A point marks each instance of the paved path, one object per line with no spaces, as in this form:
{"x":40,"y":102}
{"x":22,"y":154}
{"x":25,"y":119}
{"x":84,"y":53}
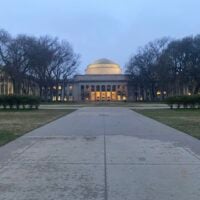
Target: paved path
{"x":101,"y":154}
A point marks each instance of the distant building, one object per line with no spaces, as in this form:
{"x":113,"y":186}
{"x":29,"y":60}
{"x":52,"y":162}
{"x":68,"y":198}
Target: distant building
{"x":103,"y":81}
{"x":6,"y":86}
{"x":27,"y":87}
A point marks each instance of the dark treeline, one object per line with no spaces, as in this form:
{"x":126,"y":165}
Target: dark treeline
{"x":166,"y":67}
{"x":42,"y":62}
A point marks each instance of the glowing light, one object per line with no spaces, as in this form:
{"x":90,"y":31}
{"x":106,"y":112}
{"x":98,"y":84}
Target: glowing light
{"x":158,"y":93}
{"x":118,"y":97}
{"x":124,"y":98}
{"x":54,"y":98}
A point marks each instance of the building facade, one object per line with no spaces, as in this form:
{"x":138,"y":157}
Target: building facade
{"x":6,"y":86}
{"x":103,"y":81}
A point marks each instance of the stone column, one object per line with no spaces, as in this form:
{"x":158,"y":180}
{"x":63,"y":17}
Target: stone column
{"x":111,"y":92}
{"x":95,"y":90}
{"x":100,"y":90}
{"x":106,"y":89}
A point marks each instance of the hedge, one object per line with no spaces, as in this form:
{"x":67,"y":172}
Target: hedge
{"x":184,"y":101}
{"x":17,"y":101}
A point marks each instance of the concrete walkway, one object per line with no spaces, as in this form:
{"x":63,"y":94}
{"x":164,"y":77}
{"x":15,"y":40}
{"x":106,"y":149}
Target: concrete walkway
{"x":101,"y":154}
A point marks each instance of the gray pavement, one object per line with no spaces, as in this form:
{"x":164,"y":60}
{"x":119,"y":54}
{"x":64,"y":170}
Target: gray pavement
{"x":101,"y":154}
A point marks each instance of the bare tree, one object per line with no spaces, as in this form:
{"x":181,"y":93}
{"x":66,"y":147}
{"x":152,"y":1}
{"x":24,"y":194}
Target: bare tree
{"x":51,"y":62}
{"x":13,"y":54}
{"x":65,"y":64}
{"x":143,"y":67}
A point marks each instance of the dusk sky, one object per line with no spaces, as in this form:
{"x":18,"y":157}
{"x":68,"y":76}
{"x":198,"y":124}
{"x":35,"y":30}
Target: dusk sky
{"x":102,"y":28}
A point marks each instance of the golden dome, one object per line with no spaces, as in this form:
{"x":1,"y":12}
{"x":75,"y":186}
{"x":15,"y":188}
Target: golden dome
{"x":103,"y":67}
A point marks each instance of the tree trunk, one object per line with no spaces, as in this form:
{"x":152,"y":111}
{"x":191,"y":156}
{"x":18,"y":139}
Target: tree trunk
{"x":16,"y":87}
{"x":197,"y":89}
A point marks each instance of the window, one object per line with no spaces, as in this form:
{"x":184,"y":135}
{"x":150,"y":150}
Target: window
{"x":114,"y":88}
{"x":103,"y":88}
{"x":98,"y":88}
{"x":92,"y":88}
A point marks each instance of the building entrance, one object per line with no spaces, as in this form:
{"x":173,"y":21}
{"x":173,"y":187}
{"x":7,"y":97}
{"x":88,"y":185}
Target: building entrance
{"x":103,"y":96}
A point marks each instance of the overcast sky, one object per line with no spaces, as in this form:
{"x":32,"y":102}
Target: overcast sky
{"x":102,"y":28}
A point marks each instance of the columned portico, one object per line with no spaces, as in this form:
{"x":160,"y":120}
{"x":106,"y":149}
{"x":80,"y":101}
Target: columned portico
{"x":103,"y":92}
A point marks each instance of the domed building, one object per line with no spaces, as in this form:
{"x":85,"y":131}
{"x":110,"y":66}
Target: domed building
{"x":103,"y":81}
{"x":103,"y":67}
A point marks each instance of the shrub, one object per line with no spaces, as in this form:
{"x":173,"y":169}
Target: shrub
{"x":184,"y":101}
{"x":4,"y":101}
{"x":24,"y":101}
{"x":34,"y":101}
{"x":11,"y":100}
{"x":1,"y":100}
{"x":17,"y":101}
{"x":170,"y":101}
{"x":198,"y":100}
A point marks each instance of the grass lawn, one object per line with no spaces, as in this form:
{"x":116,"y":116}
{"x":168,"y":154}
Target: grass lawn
{"x":16,"y":123}
{"x":186,"y":120}
{"x":138,"y":105}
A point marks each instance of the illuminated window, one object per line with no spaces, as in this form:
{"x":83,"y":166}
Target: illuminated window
{"x":118,"y":97}
{"x":113,"y":96}
{"x":54,"y":98}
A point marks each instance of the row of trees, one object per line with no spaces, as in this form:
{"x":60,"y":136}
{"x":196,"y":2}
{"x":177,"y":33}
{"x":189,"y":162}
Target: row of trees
{"x":171,"y":67}
{"x":44,"y":60}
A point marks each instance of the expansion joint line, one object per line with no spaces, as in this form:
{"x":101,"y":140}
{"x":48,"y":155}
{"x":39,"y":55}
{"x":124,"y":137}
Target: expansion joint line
{"x":105,"y":161}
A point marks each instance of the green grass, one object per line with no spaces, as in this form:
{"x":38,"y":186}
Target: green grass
{"x":186,"y":120}
{"x":105,"y":104}
{"x":16,"y":123}
{"x":6,"y":137}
